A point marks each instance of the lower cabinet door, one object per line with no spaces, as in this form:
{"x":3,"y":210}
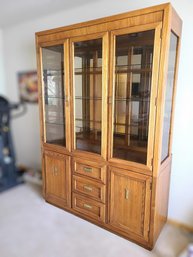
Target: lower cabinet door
{"x":57,"y":178}
{"x":130,"y":202}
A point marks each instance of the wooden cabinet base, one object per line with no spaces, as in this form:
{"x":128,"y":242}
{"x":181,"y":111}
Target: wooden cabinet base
{"x":123,"y":203}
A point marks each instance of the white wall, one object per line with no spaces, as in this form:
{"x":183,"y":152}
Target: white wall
{"x":20,"y":55}
{"x":2,"y":78}
{"x":181,"y":191}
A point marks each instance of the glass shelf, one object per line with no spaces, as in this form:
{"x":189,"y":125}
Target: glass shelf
{"x":91,"y":121}
{"x":91,"y":71}
{"x":54,"y":97}
{"x":134,"y":124}
{"x":52,"y":71}
{"x":136,"y":66}
{"x":88,"y":69}
{"x":131,"y":125}
{"x":88,"y":98}
{"x":55,"y":123}
{"x":133,"y":99}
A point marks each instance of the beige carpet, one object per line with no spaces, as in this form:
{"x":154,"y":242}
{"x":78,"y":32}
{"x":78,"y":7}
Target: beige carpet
{"x":29,"y":227}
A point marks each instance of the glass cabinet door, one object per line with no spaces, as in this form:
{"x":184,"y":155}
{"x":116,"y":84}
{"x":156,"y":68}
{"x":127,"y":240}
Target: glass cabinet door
{"x":169,"y":96}
{"x":88,"y":94}
{"x":53,"y":84}
{"x":132,"y":90}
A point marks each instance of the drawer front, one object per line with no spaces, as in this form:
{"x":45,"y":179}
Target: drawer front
{"x":88,"y":207}
{"x":88,"y":187}
{"x":90,"y":169}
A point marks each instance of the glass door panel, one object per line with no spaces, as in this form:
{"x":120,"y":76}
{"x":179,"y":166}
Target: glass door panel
{"x":133,"y":75}
{"x":88,"y":95}
{"x":169,"y":96}
{"x":53,"y":80}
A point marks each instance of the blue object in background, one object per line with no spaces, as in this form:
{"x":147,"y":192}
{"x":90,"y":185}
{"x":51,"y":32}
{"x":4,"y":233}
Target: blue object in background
{"x":9,"y":174}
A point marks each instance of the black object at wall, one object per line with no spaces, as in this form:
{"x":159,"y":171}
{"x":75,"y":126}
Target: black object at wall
{"x":9,"y":173}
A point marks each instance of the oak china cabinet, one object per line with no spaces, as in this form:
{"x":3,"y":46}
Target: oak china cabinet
{"x":106,"y":96}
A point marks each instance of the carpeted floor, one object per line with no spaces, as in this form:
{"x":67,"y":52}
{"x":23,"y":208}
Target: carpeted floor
{"x":29,"y":227}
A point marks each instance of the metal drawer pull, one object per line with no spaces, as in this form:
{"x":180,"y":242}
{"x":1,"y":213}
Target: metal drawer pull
{"x":126,"y":194}
{"x":55,"y":171}
{"x":87,"y":206}
{"x":86,"y":169}
{"x":88,"y":188}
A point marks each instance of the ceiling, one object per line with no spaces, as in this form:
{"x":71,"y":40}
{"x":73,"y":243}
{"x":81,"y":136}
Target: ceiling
{"x":16,"y":11}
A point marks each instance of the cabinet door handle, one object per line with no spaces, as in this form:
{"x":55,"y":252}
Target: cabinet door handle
{"x":126,"y":194}
{"x":87,"y":206}
{"x":55,"y":171}
{"x":66,"y":98}
{"x":87,"y":169}
{"x":88,"y":188}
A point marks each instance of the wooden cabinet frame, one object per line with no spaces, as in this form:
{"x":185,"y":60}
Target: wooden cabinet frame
{"x":99,"y":170}
{"x":171,"y":23}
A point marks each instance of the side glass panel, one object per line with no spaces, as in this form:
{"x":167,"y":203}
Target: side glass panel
{"x":53,"y":79}
{"x":133,"y":73}
{"x":169,"y":95}
{"x":88,"y":94}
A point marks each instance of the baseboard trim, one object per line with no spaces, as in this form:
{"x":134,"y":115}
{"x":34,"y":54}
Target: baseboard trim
{"x":180,"y":225}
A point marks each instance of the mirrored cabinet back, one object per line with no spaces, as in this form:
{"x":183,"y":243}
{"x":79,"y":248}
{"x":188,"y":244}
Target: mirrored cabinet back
{"x":106,"y":96}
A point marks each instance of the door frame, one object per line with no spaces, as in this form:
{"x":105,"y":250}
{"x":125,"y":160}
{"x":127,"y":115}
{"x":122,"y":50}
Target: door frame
{"x":153,"y":97}
{"x":105,"y":59}
{"x":66,"y":107}
{"x":147,"y":180}
{"x":62,"y":202}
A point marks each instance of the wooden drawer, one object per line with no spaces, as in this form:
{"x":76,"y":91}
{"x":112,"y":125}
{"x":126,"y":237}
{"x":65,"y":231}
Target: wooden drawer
{"x":89,"y":187}
{"x":90,"y":169}
{"x":88,"y":207}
